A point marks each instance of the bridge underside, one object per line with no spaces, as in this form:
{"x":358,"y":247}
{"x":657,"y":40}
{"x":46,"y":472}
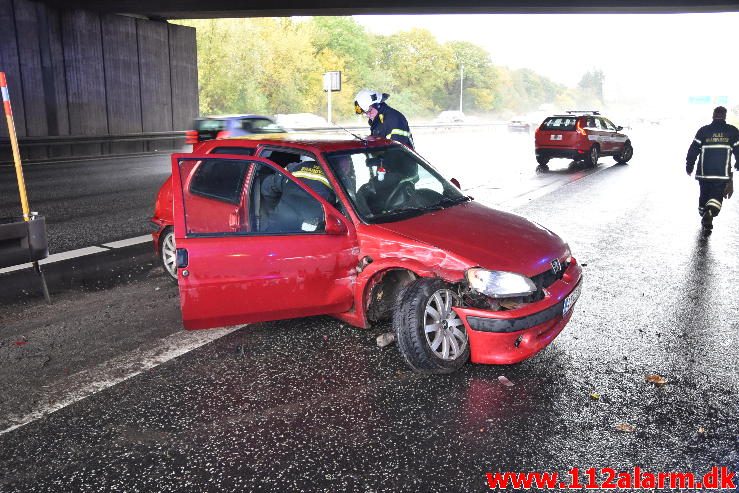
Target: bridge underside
{"x":194,"y":9}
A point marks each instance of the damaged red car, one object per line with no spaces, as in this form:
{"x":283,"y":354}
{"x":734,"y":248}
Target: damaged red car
{"x":457,"y":280}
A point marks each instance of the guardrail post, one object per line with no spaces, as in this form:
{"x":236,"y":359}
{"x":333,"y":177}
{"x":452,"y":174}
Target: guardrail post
{"x":22,"y":185}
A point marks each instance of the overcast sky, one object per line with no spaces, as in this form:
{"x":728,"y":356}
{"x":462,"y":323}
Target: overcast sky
{"x":660,"y":58}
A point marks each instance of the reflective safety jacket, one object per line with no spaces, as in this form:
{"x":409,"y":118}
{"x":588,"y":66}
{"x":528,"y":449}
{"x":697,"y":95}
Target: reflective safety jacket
{"x":713,"y":146}
{"x":296,"y":210}
{"x":391,"y":124}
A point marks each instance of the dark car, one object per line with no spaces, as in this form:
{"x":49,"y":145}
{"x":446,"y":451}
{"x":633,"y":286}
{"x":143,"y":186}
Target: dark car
{"x":227,"y":126}
{"x":397,"y":242}
{"x":580,"y":136}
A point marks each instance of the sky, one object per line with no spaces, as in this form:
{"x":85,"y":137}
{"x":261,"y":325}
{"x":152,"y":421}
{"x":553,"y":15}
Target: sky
{"x":648,"y":59}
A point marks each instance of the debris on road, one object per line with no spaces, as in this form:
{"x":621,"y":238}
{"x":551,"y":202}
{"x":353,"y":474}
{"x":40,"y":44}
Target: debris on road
{"x":656,"y":379}
{"x":504,"y":381}
{"x":595,"y":396}
{"x":385,"y":339}
{"x":625,"y":427}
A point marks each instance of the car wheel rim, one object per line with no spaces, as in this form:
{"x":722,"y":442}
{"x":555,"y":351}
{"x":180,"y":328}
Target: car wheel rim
{"x":169,"y":255}
{"x":627,"y":153}
{"x":445,"y":332}
{"x":594,"y":155}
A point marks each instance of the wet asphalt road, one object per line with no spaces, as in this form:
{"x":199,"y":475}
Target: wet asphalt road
{"x":88,"y":202}
{"x":314,"y":405}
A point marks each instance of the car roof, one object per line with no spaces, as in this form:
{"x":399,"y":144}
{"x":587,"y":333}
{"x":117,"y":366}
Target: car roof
{"x":307,"y":141}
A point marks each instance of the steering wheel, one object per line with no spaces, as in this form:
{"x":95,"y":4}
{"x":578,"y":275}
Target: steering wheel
{"x":399,"y":195}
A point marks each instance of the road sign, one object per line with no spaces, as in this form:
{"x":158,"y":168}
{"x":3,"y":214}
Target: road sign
{"x":332,"y":81}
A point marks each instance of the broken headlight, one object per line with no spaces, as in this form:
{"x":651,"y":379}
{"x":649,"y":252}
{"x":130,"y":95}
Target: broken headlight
{"x":499,"y":284}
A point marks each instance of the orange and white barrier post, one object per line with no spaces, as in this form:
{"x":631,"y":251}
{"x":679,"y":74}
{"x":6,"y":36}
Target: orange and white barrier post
{"x":19,"y":173}
{"x":14,"y":145}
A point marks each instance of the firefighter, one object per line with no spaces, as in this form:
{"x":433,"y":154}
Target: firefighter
{"x":713,"y":146}
{"x":295,"y":210}
{"x":384,"y":121}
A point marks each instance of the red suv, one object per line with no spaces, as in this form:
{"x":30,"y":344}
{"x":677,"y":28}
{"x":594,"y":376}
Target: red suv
{"x":580,"y":136}
{"x":395,"y":242}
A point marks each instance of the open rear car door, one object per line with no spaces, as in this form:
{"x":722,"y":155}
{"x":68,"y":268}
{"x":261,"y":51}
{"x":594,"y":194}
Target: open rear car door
{"x":238,"y":262}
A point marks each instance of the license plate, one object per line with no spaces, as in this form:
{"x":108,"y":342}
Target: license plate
{"x":571,"y":299}
{"x":555,"y":137}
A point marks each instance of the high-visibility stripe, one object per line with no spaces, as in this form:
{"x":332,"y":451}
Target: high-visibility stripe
{"x":4,"y":90}
{"x":3,"y":81}
{"x":717,"y":146}
{"x":735,"y":144}
{"x":397,"y":131}
{"x":312,"y":176}
{"x":714,"y":203}
{"x":697,"y":141}
{"x":8,"y":109}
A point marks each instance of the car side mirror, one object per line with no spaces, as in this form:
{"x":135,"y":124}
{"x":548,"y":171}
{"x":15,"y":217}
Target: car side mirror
{"x":455,"y":182}
{"x":619,"y":128}
{"x":334,"y":225}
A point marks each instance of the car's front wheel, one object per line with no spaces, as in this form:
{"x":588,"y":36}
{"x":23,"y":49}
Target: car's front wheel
{"x":626,"y":154}
{"x":168,"y":253}
{"x":593,"y":155}
{"x":431,"y":336}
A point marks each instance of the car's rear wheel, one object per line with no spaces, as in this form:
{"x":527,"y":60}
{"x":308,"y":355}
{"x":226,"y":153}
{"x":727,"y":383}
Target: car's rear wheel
{"x":542,"y":160}
{"x":431,"y":336}
{"x":168,"y":253}
{"x":593,"y":155}
{"x":626,"y":154}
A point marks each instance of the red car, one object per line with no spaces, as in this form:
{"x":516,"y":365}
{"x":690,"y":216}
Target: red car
{"x":580,"y":136}
{"x":458,"y":280}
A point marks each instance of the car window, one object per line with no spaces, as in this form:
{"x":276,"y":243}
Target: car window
{"x":260,"y":126}
{"x":591,"y":122}
{"x":608,"y":125}
{"x":241,"y":151}
{"x":278,"y":205}
{"x":213,"y":202}
{"x":209,"y":124}
{"x":559,"y":123}
{"x":219,"y":180}
{"x":284,"y":157}
{"x":388,"y":184}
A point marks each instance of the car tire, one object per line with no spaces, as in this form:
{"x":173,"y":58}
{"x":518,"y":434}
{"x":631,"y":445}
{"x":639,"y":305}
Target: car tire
{"x":542,"y":168}
{"x":542,"y":160}
{"x":591,"y":159}
{"x":168,"y":253}
{"x":625,"y":155}
{"x":430,"y":335}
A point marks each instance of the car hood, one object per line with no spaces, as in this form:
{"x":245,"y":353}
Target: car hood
{"x":492,"y":239}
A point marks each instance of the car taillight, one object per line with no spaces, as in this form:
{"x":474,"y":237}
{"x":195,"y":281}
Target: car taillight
{"x":223,"y":134}
{"x":579,"y":129}
{"x":191,"y":137}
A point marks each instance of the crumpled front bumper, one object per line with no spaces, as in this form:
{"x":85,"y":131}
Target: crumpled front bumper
{"x":511,"y":336}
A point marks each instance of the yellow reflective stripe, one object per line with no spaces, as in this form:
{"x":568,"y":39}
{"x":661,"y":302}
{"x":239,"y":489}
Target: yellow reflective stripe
{"x":397,"y":131}
{"x":312,"y":176}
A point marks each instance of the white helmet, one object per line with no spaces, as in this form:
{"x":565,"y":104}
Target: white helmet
{"x":366,"y":98}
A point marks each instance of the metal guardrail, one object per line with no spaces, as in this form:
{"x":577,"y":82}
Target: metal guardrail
{"x":93,"y":139}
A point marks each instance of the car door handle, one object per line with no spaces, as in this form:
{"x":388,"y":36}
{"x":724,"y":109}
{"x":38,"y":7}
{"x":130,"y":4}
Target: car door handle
{"x":181,"y":258}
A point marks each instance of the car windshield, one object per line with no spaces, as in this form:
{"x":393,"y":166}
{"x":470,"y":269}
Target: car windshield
{"x":261,"y":126}
{"x":390,"y":184}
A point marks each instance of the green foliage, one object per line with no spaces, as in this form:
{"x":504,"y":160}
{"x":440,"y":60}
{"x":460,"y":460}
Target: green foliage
{"x":276,"y":66}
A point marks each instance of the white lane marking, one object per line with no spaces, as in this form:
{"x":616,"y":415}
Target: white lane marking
{"x":129,"y":242}
{"x":116,"y":370}
{"x":58,"y":257}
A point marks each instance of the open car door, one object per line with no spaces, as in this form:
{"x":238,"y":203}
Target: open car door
{"x":239,"y":261}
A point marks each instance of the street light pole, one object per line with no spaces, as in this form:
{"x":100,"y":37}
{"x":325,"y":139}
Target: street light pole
{"x":461,"y":85}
